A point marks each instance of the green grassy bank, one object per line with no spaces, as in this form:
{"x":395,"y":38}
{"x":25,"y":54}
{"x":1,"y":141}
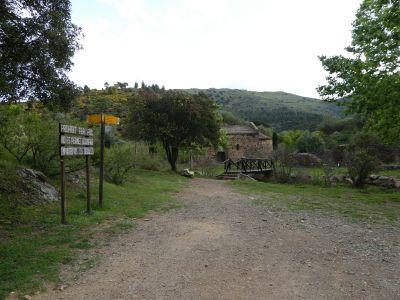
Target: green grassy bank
{"x":33,"y":244}
{"x":371,"y":204}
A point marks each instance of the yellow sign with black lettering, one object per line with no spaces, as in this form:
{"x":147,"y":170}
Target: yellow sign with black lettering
{"x":101,"y":118}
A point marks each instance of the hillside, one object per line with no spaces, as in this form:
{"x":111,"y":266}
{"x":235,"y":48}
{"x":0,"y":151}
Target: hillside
{"x":277,"y":109}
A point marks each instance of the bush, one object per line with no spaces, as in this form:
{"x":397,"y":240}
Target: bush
{"x":360,"y":164}
{"x":283,"y":164}
{"x":30,"y":137}
{"x":206,"y":166}
{"x":328,"y":167}
{"x":118,"y":162}
{"x":310,"y":143}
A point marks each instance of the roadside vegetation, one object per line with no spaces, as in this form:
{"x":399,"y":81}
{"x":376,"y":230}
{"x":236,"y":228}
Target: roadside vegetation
{"x":369,"y":205}
{"x":34,"y":245}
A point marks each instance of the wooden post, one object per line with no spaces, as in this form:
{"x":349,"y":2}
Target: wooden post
{"x":63,"y":206}
{"x":62,"y":179}
{"x":102,"y":133}
{"x":88,"y":198}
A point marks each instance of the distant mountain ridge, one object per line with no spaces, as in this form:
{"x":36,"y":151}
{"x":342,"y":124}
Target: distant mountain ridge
{"x":279,"y":110}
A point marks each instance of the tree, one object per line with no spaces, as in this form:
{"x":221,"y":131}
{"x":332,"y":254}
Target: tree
{"x":370,"y":77}
{"x":37,"y":42}
{"x":310,"y":143}
{"x":176,"y":119}
{"x":275,"y":140}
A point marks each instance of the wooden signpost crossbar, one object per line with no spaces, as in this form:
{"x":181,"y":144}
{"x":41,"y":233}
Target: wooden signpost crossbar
{"x":74,"y":141}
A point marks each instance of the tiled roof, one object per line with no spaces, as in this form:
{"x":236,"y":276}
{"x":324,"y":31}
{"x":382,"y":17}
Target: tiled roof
{"x":240,"y":129}
{"x":250,"y":129}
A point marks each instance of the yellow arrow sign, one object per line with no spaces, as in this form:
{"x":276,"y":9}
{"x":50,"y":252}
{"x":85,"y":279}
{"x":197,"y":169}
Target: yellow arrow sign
{"x":107,"y":119}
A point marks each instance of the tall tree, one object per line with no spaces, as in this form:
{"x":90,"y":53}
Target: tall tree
{"x":37,"y":42}
{"x":370,"y":76}
{"x":176,"y":119}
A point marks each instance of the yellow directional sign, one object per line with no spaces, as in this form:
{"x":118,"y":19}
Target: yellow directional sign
{"x":94,"y":119}
{"x":107,"y":119}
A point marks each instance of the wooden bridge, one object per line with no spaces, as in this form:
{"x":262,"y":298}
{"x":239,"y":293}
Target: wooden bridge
{"x":247,"y":166}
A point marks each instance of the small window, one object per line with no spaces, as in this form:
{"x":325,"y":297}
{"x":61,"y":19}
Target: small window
{"x":237,"y":147}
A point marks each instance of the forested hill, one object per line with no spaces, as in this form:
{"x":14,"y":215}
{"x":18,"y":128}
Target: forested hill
{"x":277,"y":109}
{"x":280,"y":110}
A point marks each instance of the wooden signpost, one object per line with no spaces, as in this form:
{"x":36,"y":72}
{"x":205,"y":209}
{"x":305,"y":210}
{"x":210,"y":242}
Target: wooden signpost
{"x":102,"y":119}
{"x":74,"y":141}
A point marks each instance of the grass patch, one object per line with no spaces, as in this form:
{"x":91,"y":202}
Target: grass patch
{"x":371,"y":204}
{"x":33,"y":244}
{"x":317,"y":172}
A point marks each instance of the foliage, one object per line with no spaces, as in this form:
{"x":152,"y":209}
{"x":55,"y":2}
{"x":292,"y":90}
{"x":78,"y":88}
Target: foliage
{"x":37,"y":42}
{"x":275,"y":140}
{"x":30,"y":137}
{"x":361,"y":157}
{"x":280,"y":110}
{"x":175,"y":119}
{"x":360,"y":164}
{"x":283,"y":164}
{"x":34,"y":245}
{"x":274,"y":110}
{"x":230,"y":119}
{"x":118,"y":162}
{"x":290,"y":137}
{"x":349,"y":124}
{"x":207,"y":167}
{"x":310,"y":143}
{"x":328,"y":168}
{"x":370,"y":77}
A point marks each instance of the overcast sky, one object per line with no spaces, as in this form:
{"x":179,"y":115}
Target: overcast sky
{"x":260,"y":45}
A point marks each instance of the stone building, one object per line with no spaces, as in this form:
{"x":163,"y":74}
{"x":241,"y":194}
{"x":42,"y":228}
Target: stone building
{"x":245,"y":141}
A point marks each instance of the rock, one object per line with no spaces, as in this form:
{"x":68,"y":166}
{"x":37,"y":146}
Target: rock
{"x":348,"y":180}
{"x":187,"y":173}
{"x":306,"y":159}
{"x":36,"y":188}
{"x":397,"y":184}
{"x":373,"y":177}
{"x":26,"y":186}
{"x":337,"y":178}
{"x":27,"y":297}
{"x":385,"y":181}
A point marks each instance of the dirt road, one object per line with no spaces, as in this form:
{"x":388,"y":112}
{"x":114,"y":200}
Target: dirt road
{"x":221,"y":246}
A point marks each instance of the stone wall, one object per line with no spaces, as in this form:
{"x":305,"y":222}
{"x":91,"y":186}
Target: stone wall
{"x":248,"y":146}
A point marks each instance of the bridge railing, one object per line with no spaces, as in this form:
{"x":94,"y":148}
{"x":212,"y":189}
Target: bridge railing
{"x":245,"y":165}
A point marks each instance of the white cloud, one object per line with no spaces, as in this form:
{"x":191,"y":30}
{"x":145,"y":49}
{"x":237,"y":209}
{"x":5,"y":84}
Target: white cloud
{"x":254,"y":44}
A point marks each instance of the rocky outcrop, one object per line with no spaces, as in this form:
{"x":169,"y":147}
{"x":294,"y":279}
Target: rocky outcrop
{"x":27,"y":187}
{"x":378,"y":180}
{"x":187,"y":173}
{"x":306,"y":160}
{"x":36,"y":188}
{"x":385,"y":181}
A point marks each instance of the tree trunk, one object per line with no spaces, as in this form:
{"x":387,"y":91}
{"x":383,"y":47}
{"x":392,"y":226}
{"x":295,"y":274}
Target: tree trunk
{"x":172,"y":155}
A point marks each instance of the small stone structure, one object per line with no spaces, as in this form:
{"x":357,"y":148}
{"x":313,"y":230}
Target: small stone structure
{"x":245,"y":141}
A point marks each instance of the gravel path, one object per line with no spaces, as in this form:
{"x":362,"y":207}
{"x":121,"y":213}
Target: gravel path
{"x":221,"y":246}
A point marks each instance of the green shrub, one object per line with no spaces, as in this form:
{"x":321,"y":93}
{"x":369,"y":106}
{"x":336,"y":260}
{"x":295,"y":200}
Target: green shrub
{"x":360,"y":164}
{"x":283,"y":164}
{"x":310,"y":143}
{"x":118,"y":162}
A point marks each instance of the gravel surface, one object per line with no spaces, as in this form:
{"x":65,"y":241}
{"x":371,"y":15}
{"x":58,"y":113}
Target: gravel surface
{"x":221,"y":246}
